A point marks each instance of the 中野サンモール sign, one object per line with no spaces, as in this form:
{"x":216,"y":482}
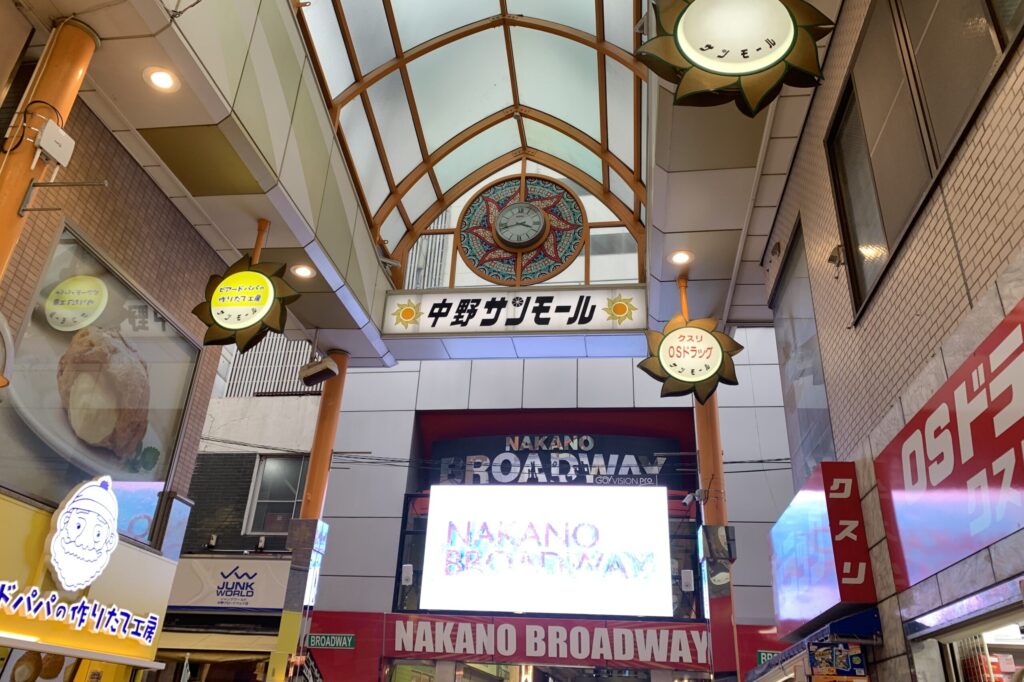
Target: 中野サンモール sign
{"x":513,"y":311}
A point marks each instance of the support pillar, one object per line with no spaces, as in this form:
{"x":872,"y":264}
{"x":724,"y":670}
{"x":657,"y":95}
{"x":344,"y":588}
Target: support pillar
{"x":716,"y":534}
{"x":323,"y":440}
{"x":307,"y":535}
{"x":50,"y":96}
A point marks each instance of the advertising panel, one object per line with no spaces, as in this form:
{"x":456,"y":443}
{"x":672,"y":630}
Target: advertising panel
{"x":544,"y":549}
{"x":505,"y":311}
{"x":99,"y":386}
{"x":553,"y":641}
{"x":949,"y":483}
{"x":820,"y":563}
{"x":839,"y":660}
{"x":591,"y":459}
{"x":234,"y":584}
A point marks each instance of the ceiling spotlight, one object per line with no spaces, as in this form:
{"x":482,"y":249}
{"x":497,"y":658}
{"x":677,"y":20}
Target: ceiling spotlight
{"x":681,"y":257}
{"x":161,"y":79}
{"x":303,"y":271}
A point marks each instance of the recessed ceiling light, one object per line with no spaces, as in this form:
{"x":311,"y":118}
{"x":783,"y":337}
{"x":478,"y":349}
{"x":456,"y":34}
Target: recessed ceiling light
{"x":303,"y":271}
{"x":681,"y":257}
{"x":161,"y":79}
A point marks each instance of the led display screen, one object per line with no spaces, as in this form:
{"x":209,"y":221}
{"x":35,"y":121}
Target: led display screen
{"x":548,"y":549}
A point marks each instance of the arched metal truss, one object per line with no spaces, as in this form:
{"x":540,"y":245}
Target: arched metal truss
{"x":628,"y":170}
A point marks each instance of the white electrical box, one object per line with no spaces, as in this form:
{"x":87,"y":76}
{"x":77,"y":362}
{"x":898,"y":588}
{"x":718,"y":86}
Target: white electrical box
{"x":407,"y":574}
{"x":55,"y":144}
{"x":686,"y":580}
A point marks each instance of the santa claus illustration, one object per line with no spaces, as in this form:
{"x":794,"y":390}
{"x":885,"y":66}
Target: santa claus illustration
{"x":84,"y":534}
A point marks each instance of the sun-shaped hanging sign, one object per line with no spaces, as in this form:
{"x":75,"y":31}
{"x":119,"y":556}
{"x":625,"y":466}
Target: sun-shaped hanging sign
{"x":735,"y":50}
{"x":620,"y":309}
{"x":407,"y":314}
{"x":244,"y":303}
{"x":689,"y":356}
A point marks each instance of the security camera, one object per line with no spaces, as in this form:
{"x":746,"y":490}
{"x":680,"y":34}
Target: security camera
{"x":318,"y":371}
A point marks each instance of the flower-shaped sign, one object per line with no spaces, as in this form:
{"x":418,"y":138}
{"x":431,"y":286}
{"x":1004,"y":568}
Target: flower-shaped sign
{"x":244,"y":303}
{"x":742,"y":50}
{"x":689,"y":356}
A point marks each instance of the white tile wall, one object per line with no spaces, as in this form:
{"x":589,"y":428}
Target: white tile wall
{"x":605,"y":382}
{"x":753,"y":605}
{"x":379,"y":392}
{"x":339,"y":593}
{"x":362,"y":547}
{"x":753,"y":555}
{"x":549,"y":383}
{"x":496,"y":384}
{"x":444,"y":385}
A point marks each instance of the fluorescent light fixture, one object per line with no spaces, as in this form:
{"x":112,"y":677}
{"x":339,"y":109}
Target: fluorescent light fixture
{"x":304,"y":271}
{"x":872,"y":251}
{"x":681,"y":257}
{"x":4,"y":634}
{"x":161,"y":79}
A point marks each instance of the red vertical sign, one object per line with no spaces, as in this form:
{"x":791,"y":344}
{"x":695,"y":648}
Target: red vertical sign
{"x":846,"y":524}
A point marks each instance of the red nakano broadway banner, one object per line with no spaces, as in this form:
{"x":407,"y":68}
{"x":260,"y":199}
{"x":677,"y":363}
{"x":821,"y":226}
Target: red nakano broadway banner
{"x":585,"y":642}
{"x":821,"y":567}
{"x":951,"y":482}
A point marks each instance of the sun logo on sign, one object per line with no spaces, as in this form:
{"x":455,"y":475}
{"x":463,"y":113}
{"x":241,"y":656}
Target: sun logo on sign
{"x":689,"y":356}
{"x":407,"y":314}
{"x":620,"y":309}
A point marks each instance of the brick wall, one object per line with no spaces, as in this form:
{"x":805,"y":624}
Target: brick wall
{"x":137,"y":228}
{"x":220,"y":490}
{"x":974,"y":217}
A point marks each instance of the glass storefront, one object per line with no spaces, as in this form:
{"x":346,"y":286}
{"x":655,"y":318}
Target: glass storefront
{"x":989,"y":651}
{"x":99,"y":386}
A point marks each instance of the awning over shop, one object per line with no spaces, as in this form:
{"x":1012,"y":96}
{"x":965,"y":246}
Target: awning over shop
{"x":16,"y":643}
{"x":864,"y":627}
{"x":174,"y":646}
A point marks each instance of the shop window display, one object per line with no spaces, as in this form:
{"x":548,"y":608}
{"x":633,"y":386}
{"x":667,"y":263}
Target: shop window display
{"x":99,"y":386}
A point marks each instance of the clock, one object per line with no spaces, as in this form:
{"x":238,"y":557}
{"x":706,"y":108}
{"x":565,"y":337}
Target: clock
{"x":522,"y":229}
{"x":520,"y":224}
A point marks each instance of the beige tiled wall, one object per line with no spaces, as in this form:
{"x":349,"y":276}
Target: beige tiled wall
{"x":135,"y":226}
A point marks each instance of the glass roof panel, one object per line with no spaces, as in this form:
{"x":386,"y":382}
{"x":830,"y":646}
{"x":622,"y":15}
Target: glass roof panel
{"x":643,"y":132}
{"x":488,"y":145}
{"x":619,"y":23}
{"x":398,"y":135}
{"x":421,"y":20}
{"x":330,"y":47}
{"x":596,"y":211}
{"x":613,"y":256}
{"x":558,"y":144}
{"x":392,"y":229}
{"x":364,"y":153}
{"x":576,"y":13}
{"x":368,"y":26}
{"x":419,"y":197}
{"x":619,"y":95}
{"x":569,"y":91}
{"x":459,"y":84}
{"x":621,"y":189}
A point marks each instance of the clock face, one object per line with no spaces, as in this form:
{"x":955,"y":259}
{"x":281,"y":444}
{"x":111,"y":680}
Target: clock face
{"x":520,"y":224}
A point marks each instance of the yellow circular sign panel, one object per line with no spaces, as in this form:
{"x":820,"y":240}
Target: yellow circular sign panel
{"x":242,"y":300}
{"x":690,"y":354}
{"x":76,"y":303}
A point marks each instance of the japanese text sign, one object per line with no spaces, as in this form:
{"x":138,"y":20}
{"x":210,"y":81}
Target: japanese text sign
{"x":820,"y":562}
{"x":950,"y":482}
{"x":510,"y":311}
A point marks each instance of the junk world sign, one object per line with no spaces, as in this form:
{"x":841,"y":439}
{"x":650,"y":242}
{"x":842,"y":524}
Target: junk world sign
{"x":579,"y":459}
